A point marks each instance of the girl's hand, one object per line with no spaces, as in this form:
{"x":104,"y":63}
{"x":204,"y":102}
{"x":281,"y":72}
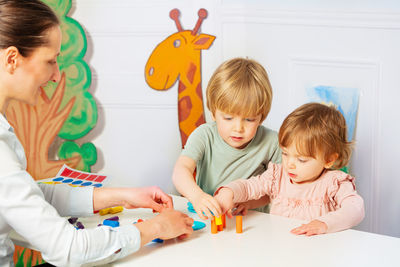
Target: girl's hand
{"x":241,"y":209}
{"x":224,"y":197}
{"x":314,"y":227}
{"x":204,"y":204}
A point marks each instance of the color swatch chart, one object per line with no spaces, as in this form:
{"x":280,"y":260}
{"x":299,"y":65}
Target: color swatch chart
{"x":67,"y":175}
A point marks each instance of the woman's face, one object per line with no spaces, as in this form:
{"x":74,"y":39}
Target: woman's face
{"x":36,"y":70}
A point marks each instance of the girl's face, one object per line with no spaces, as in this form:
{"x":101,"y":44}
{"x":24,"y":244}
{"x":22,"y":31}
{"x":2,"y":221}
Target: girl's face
{"x":235,"y":130}
{"x":302,"y":169}
{"x":36,"y":70}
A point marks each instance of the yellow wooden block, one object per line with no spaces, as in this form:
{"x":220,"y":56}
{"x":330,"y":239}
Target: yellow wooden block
{"x":116,"y":209}
{"x":104,"y":211}
{"x":218,"y":220}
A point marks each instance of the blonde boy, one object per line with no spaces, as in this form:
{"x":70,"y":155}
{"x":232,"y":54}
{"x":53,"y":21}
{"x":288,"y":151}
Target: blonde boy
{"x":235,"y":144}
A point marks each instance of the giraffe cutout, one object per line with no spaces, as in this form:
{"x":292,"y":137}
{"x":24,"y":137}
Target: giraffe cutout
{"x":179,"y":57}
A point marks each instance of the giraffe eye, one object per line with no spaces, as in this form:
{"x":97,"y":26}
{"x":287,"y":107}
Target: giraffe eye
{"x":177,"y":43}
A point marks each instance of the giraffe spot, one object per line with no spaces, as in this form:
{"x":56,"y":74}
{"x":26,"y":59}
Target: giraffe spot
{"x":184,"y":108}
{"x":184,"y":138}
{"x":201,"y":120}
{"x":199,"y":92}
{"x":181,"y":87}
{"x":191,"y":71}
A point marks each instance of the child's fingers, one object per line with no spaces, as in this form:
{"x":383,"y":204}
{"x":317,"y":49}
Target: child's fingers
{"x":244,"y":212}
{"x":214,"y":207}
{"x":240,"y":210}
{"x":235,"y":212}
{"x":201,"y":214}
{"x":208,"y":208}
{"x":299,"y":230}
{"x":199,"y":210}
{"x":229,"y":214}
{"x":208,"y":213}
{"x":307,"y":230}
{"x":312,"y":232}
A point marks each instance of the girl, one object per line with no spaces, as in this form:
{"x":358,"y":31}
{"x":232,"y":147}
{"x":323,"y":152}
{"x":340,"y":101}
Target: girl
{"x":305,"y":186}
{"x":30,"y":41}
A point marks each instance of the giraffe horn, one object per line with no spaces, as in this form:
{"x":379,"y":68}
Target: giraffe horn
{"x":202,"y":15}
{"x":174,"y":15}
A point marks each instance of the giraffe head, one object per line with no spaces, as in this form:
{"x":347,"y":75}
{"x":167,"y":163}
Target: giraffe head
{"x":173,"y":55}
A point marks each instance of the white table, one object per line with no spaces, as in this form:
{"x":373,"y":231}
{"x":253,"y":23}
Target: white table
{"x":265,"y":241}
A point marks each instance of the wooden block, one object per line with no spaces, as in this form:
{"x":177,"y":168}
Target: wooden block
{"x":116,"y":209}
{"x":104,"y":211}
{"x":218,"y":220}
{"x":239,"y":224}
{"x":214,"y":229}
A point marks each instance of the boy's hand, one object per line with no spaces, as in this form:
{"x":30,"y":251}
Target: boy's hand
{"x":224,"y":197}
{"x":204,"y":204}
{"x":314,"y":227}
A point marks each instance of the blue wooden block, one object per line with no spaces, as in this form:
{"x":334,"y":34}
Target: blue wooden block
{"x":111,"y":223}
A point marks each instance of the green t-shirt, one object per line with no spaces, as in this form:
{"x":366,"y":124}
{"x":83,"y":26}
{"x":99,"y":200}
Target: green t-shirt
{"x":217,"y":163}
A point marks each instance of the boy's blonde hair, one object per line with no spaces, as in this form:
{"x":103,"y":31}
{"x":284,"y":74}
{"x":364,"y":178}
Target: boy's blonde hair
{"x":241,"y":87}
{"x":317,"y":130}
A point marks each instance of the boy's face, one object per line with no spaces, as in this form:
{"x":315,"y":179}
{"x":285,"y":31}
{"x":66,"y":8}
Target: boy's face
{"x":235,"y":130}
{"x":302,"y":169}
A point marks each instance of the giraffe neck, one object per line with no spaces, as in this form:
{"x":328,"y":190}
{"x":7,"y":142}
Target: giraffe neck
{"x":190,"y":100}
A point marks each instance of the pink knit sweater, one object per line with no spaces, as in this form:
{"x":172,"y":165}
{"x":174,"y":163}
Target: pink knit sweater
{"x":332,"y":198}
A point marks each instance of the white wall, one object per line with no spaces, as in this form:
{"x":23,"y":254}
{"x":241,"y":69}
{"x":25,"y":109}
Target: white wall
{"x":351,"y":44}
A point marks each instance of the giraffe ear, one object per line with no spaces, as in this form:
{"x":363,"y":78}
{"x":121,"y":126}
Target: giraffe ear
{"x":203,"y":41}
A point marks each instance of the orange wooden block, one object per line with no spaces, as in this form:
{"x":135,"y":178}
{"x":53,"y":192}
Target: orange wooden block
{"x":214,"y":229}
{"x":239,"y":224}
{"x":224,"y":221}
{"x":220,"y":228}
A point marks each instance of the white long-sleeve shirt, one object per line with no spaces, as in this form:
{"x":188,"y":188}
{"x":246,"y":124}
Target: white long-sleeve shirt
{"x":34,"y":211}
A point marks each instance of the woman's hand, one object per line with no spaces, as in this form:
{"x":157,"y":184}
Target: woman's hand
{"x":168,"y":224}
{"x":314,"y":227}
{"x":143,"y":197}
{"x":146,"y":197}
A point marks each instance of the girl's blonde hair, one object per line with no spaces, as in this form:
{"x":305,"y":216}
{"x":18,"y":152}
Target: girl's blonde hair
{"x":240,"y":86}
{"x":317,"y":130}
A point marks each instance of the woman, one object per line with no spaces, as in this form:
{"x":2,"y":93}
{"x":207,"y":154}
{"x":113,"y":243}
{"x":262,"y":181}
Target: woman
{"x":30,"y":41}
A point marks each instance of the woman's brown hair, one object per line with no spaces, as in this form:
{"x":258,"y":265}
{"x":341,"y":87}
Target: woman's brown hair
{"x":23,"y":24}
